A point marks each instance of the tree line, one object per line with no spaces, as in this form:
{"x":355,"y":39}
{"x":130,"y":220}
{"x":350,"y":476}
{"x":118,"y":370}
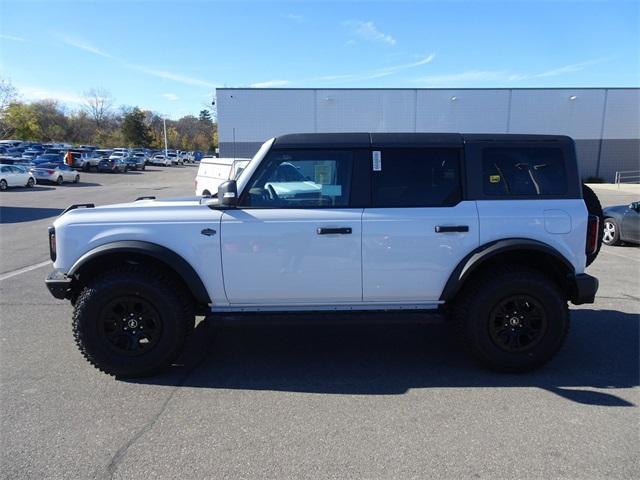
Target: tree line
{"x":99,"y":122}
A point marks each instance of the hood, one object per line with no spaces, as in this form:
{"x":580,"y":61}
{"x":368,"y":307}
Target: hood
{"x":172,"y":210}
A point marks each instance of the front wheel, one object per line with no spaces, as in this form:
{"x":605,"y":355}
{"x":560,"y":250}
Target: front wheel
{"x":513,"y":320}
{"x":31,"y":182}
{"x":3,"y":185}
{"x":611,"y":232}
{"x":76,"y":179}
{"x":132,"y":321}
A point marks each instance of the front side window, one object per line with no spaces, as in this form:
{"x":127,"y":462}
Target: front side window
{"x":526,"y":171}
{"x":416,"y":177}
{"x":301,"y":178}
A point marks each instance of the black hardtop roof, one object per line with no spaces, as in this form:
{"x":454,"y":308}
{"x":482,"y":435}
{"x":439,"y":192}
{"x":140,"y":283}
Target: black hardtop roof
{"x":408,"y":140}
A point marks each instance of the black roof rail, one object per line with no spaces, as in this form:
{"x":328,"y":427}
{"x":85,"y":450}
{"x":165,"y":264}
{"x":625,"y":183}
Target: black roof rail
{"x":148,"y":197}
{"x":77,"y":205}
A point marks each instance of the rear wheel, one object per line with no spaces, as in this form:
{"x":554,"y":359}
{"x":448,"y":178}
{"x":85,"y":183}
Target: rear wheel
{"x":512,"y":320}
{"x":594,"y":208}
{"x":60,"y":180}
{"x":76,"y":179}
{"x":611,"y":232}
{"x":132,"y":321}
{"x":3,"y":184}
{"x":31,"y":182}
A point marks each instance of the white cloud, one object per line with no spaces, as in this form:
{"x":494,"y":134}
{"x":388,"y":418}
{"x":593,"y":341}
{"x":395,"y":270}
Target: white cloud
{"x":469,"y":76}
{"x":369,"y":32}
{"x":38,"y":93}
{"x":293,"y":17}
{"x":574,"y":67}
{"x":271,"y":84}
{"x":13,"y":38}
{"x":86,"y":46}
{"x":379,"y":73}
{"x":172,"y":97}
{"x":176,"y":77}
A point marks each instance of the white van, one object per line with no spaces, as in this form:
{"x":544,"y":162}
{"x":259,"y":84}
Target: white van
{"x":214,"y":171}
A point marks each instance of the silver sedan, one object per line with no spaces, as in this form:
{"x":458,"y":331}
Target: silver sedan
{"x":56,"y":173}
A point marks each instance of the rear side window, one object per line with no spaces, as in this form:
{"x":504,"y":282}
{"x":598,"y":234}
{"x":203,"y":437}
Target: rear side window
{"x":416,"y":177}
{"x":528,"y":171}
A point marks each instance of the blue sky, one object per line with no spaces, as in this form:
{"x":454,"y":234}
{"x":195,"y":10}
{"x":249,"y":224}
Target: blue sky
{"x":170,"y":56}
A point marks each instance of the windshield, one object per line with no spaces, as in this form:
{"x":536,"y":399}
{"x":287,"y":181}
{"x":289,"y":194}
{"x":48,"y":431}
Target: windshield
{"x":246,"y":173}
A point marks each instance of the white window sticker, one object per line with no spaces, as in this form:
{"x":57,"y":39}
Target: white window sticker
{"x":377,"y":161}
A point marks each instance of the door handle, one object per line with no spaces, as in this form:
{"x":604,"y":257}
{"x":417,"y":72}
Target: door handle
{"x":451,"y":228}
{"x":208,"y":232}
{"x":333,"y":231}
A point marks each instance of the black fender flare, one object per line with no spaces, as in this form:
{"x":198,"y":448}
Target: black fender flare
{"x":485,"y":252}
{"x":164,"y":255}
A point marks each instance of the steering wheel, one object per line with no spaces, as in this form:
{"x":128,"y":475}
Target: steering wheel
{"x":272,"y":192}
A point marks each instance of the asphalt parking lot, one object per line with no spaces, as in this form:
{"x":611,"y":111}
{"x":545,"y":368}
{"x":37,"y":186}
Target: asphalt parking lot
{"x":305,"y":402}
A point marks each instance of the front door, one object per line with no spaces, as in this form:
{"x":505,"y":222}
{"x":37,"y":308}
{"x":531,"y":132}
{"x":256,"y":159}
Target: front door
{"x":294,"y":238}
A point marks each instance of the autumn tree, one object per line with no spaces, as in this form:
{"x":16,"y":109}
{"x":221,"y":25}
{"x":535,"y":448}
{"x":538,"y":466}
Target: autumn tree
{"x":98,"y":105}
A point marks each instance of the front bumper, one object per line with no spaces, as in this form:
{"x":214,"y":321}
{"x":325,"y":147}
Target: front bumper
{"x":58,"y":284}
{"x":584,"y":289}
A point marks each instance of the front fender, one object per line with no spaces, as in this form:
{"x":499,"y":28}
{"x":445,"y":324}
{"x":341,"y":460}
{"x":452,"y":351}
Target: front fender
{"x":162,"y":254}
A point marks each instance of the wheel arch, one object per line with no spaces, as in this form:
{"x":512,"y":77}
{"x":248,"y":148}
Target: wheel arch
{"x":135,"y":251}
{"x":513,"y":251}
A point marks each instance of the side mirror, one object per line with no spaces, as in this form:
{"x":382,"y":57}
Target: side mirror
{"x":228,"y":194}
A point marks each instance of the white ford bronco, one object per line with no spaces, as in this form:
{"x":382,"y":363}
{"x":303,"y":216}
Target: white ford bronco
{"x":489,"y":232}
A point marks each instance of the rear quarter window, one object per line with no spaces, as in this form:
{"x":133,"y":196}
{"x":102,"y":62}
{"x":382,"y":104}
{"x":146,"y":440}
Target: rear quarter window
{"x":526,"y":171}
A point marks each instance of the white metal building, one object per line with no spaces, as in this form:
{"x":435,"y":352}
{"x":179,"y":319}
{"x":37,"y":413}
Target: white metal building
{"x":604,"y":122}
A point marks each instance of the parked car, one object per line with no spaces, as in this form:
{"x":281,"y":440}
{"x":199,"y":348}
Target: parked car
{"x":173,"y":157}
{"x":90,"y":160}
{"x":137,"y":161}
{"x":103,"y":152}
{"x":48,"y":158}
{"x":489,"y":232}
{"x":622,"y":224}
{"x":119,"y":155}
{"x":160,"y":159}
{"x":212,"y":172}
{"x":31,"y":153}
{"x":112,"y":165}
{"x":15,"y":176}
{"x":56,"y":173}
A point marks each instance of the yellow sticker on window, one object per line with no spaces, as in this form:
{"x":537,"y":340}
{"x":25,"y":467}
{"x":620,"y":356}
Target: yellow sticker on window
{"x":494,"y":178}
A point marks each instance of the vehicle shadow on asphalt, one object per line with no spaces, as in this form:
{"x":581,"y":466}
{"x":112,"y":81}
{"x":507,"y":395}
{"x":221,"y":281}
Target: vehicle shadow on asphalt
{"x":601,"y":352}
{"x":26,"y":214}
{"x":81,"y":184}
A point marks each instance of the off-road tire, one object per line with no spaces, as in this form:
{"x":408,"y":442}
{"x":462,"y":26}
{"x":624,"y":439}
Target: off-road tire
{"x":171,"y":301}
{"x":594,"y":208}
{"x":472,"y":317}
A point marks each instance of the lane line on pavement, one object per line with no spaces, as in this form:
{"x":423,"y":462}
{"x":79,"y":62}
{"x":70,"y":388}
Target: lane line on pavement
{"x":621,"y":256}
{"x":13,"y":273}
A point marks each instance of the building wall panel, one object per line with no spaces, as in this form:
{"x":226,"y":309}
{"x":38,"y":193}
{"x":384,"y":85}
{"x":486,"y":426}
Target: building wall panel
{"x":462,"y":111}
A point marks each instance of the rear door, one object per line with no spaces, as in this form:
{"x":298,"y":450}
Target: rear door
{"x":296,"y":239}
{"x":418,"y":227}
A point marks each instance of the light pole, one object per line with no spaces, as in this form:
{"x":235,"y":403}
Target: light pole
{"x":164,"y":124}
